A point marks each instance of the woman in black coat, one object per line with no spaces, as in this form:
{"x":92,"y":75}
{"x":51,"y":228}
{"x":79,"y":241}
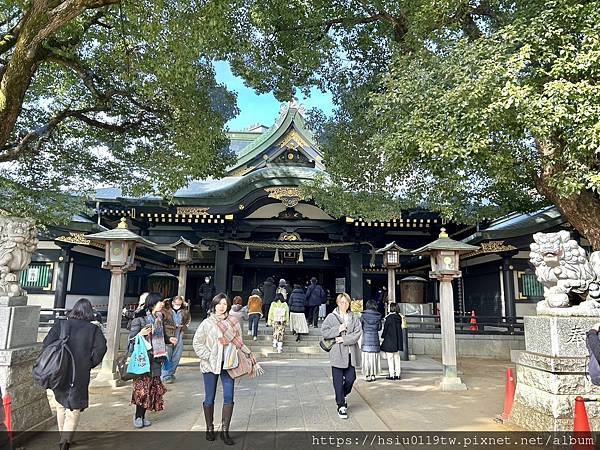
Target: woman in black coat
{"x":268,"y":297}
{"x":392,"y":341}
{"x":88,"y":345}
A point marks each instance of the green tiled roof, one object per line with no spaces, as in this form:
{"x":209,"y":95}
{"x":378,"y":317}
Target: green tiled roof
{"x":272,"y":135}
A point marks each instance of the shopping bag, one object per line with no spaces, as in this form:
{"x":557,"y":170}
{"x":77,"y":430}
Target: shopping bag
{"x":230,"y":357}
{"x":139,"y":363}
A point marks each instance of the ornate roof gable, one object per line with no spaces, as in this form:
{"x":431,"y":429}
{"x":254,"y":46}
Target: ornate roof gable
{"x":287,"y":143}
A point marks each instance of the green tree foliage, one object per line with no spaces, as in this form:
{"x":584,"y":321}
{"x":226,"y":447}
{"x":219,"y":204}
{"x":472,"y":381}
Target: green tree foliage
{"x":104,"y":92}
{"x":473,"y":108}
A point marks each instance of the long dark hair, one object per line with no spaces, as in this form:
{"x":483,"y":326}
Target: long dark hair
{"x":151,"y":300}
{"x":217,"y":299}
{"x":82,"y":310}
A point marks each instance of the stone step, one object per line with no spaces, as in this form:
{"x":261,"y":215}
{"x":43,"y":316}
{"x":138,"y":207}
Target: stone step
{"x":266,"y":349}
{"x":313,"y":333}
{"x":271,"y":355}
{"x":291,"y":340}
{"x":258,"y":345}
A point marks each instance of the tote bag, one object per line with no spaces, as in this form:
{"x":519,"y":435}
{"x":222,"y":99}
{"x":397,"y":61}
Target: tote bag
{"x":139,"y":363}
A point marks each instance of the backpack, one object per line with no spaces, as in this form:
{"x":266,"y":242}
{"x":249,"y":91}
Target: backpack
{"x":51,"y":369}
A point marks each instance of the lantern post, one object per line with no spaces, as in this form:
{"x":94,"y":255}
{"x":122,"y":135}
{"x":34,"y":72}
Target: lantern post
{"x":184,"y":251}
{"x":445,"y":267}
{"x":120,"y":246}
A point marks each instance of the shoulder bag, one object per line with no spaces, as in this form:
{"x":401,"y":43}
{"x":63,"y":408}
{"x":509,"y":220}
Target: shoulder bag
{"x":327,"y":344}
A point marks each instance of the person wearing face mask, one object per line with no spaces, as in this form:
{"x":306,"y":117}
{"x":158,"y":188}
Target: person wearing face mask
{"x":148,"y":390}
{"x":206,"y":294}
{"x":177,"y":320}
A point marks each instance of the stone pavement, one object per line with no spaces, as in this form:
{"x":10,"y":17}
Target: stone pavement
{"x":297,"y":395}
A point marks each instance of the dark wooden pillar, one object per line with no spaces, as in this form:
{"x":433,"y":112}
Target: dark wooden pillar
{"x":221,"y":266}
{"x":62,"y":275}
{"x":356,"y":275}
{"x":510,"y":309}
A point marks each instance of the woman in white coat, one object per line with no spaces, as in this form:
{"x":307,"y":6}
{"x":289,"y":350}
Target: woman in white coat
{"x":210,"y":345}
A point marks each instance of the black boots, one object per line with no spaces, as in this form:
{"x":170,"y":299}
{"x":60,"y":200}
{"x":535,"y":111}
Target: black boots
{"x":227,"y":413}
{"x":208,"y":416}
{"x":64,"y":445}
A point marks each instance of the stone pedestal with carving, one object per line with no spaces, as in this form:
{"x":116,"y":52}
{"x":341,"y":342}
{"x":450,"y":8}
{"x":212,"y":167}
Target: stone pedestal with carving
{"x":18,"y":328}
{"x":551,"y":372}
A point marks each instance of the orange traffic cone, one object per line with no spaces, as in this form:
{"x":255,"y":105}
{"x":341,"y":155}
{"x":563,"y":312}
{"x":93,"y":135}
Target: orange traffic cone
{"x":509,"y":394}
{"x":473,"y":322}
{"x":581,"y":427}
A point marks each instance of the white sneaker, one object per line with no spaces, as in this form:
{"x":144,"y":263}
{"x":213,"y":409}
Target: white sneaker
{"x":254,"y":338}
{"x":138,"y":422}
{"x":343,"y":412}
{"x":249,"y":332}
{"x":274,"y":343}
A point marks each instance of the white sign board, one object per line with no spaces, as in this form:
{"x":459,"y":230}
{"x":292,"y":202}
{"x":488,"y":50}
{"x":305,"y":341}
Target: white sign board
{"x":237,"y":283}
{"x":340,"y":285}
{"x":33,"y":274}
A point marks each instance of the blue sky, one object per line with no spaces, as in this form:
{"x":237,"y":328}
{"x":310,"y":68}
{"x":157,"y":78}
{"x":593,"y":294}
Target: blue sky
{"x":262,"y":108}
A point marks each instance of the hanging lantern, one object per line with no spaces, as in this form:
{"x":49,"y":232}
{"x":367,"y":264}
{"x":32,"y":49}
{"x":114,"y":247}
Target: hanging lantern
{"x":247,"y":255}
{"x":326,"y":255}
{"x":301,"y":257}
{"x":276,"y":258}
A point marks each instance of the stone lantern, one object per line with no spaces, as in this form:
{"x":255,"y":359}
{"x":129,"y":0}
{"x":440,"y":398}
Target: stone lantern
{"x":120,"y":246}
{"x":391,"y":261}
{"x":184,"y":251}
{"x":445,"y":254}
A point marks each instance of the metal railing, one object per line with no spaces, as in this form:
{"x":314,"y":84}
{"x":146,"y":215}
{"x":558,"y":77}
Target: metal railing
{"x":485,"y":324}
{"x":49,"y":316}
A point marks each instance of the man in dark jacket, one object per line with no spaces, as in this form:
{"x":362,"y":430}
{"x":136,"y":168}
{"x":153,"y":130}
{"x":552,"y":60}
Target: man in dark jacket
{"x":269,"y":289}
{"x":206,"y":293}
{"x":315,"y":296}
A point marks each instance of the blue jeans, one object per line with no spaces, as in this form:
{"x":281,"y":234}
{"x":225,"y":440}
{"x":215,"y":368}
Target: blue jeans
{"x":174,"y":353}
{"x":210,"y":387}
{"x":253,"y":323}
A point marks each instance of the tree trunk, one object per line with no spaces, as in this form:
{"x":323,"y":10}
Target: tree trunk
{"x":581,"y":210}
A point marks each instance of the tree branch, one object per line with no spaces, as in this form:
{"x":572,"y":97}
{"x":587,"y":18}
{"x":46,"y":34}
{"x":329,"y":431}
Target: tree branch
{"x":9,"y":40}
{"x":117,"y":128}
{"x":13,"y":152}
{"x":82,"y":73}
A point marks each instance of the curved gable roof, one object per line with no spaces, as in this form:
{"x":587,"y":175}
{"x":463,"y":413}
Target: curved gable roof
{"x":292,"y":120}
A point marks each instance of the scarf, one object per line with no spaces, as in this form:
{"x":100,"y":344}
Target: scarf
{"x":230,"y":337}
{"x":157,"y":336}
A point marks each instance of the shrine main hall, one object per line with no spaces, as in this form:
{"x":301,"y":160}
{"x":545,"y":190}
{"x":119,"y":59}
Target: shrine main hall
{"x":257,"y":222}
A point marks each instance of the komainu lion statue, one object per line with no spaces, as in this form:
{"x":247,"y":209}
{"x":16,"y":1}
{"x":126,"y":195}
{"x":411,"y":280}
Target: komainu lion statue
{"x":569,"y":278}
{"x":18,"y":240}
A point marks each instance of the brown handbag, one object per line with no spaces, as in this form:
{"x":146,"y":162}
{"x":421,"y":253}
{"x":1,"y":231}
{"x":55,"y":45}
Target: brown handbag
{"x":244,"y":365}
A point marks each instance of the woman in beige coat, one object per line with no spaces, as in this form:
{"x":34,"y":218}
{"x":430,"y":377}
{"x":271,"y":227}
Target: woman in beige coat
{"x":211,"y":346}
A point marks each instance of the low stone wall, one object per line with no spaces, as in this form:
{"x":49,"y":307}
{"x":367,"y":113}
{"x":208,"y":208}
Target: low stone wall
{"x":482,"y":345}
{"x":429,"y":344}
